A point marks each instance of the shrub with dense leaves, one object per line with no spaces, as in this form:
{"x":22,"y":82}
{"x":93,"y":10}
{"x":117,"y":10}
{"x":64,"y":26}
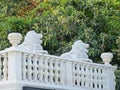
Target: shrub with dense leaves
{"x":96,"y":22}
{"x":117,"y":73}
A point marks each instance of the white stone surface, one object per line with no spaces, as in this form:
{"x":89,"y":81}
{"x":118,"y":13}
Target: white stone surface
{"x":14,"y":38}
{"x":78,"y":52}
{"x":24,"y":65}
{"x":33,"y":43}
{"x":107,"y":58}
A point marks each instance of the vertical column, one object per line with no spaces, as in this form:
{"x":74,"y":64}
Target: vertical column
{"x":51,"y":70}
{"x":56,"y":72}
{"x":5,"y":67}
{"x":46,"y":70}
{"x":62,"y":72}
{"x":24,"y":65}
{"x":68,"y":73}
{"x":90,"y":77}
{"x":41,"y":73}
{"x":14,"y":57}
{"x":14,"y":65}
{"x":30,"y":67}
{"x":109,"y":73}
{"x":110,"y":79}
{"x":35,"y":72}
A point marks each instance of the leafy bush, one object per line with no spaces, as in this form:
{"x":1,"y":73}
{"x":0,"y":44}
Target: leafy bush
{"x":96,"y":22}
{"x":117,"y":79}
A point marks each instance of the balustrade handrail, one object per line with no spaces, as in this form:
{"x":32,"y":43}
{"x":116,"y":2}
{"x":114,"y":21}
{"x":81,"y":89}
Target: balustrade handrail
{"x":25,"y":65}
{"x":57,"y":57}
{"x":71,"y":60}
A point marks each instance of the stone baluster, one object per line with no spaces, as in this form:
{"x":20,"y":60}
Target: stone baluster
{"x":78,"y":74}
{"x":82,"y":75}
{"x":110,"y":77}
{"x":74,"y":71}
{"x":30,"y":67}
{"x":62,"y":72}
{"x":24,"y":66}
{"x":56,"y":72}
{"x":101,"y":79}
{"x":46,"y":70}
{"x":95,"y":74}
{"x":5,"y":66}
{"x":98,"y":76}
{"x":35,"y":72}
{"x":98,"y":73}
{"x":51,"y":70}
{"x":91,"y":77}
{"x":87,"y":76}
{"x":78,"y":81}
{"x":41,"y":68}
{"x":102,"y":74}
{"x":103,"y":84}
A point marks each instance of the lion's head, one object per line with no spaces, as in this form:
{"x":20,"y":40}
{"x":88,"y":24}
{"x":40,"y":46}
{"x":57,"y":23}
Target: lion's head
{"x":79,"y":51}
{"x":80,"y":47}
{"x":33,"y":42}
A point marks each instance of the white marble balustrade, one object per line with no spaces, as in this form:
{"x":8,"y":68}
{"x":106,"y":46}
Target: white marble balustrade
{"x":42,"y":68}
{"x":29,"y":65}
{"x":3,"y":66}
{"x":89,"y":76}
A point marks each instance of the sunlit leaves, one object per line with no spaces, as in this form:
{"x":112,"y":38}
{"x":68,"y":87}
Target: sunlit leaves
{"x":62,"y":22}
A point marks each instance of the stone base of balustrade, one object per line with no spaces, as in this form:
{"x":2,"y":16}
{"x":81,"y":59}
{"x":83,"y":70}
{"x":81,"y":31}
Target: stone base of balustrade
{"x":35,"y":86}
{"x":10,"y":86}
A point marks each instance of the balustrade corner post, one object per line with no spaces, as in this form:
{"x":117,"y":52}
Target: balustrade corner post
{"x":68,"y":73}
{"x":14,"y":65}
{"x":109,"y":71}
{"x":109,"y":78}
{"x":14,"y":57}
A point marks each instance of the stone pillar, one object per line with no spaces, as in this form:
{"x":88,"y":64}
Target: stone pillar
{"x":68,"y":73}
{"x":109,"y":73}
{"x":14,"y":57}
{"x":14,"y":65}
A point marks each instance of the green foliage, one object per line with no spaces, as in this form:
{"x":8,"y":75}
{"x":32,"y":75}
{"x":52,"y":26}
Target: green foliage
{"x":117,"y":73}
{"x":62,"y":22}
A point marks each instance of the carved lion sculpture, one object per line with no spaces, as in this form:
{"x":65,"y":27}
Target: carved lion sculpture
{"x":33,"y":42}
{"x":78,"y":52}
